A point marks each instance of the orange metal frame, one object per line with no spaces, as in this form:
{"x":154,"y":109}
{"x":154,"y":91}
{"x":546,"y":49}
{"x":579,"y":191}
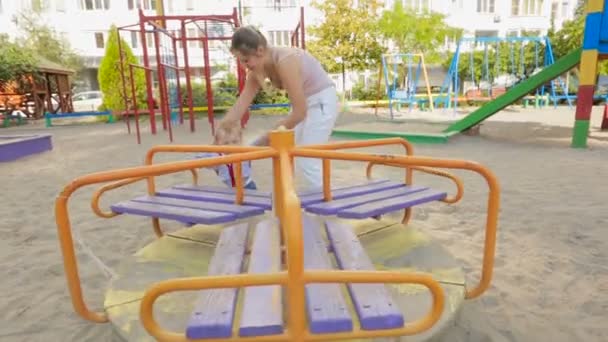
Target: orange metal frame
{"x":288,"y":210}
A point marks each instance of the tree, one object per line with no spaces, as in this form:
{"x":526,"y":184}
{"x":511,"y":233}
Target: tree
{"x":416,"y":33}
{"x":349,"y":32}
{"x":16,"y":65}
{"x":45,"y":42}
{"x":570,"y":36}
{"x":110,"y":80}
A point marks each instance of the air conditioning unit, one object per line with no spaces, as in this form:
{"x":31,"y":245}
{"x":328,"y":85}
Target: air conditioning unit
{"x":497,"y":18}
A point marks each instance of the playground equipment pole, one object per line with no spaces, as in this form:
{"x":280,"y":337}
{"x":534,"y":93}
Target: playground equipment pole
{"x":149,"y":93}
{"x":595,"y":43}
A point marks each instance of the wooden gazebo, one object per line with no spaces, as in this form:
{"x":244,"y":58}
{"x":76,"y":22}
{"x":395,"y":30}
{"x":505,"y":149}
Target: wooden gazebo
{"x":54,"y":81}
{"x":50,"y":91}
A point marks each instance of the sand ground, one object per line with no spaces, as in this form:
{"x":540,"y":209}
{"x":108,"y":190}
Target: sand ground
{"x":551,"y":271}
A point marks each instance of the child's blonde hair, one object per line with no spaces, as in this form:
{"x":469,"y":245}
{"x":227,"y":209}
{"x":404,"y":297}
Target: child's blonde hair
{"x":229,"y":133}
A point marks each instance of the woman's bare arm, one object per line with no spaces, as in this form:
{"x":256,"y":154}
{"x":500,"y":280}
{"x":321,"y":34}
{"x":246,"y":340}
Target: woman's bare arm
{"x":291,"y":79}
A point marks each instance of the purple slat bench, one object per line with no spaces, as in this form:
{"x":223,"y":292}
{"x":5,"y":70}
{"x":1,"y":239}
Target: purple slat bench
{"x":262,"y":309}
{"x":191,"y":204}
{"x":194,"y":204}
{"x":215,"y":309}
{"x":371,"y":199}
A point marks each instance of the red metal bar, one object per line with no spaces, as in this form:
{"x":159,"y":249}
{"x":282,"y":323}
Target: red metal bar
{"x":149,"y":75}
{"x":187,"y":72}
{"x":240,"y":70}
{"x":141,"y":67}
{"x":303,"y":27}
{"x":161,"y":81}
{"x":135,"y":110}
{"x":208,"y":82}
{"x":210,"y":38}
{"x":135,"y":105}
{"x":126,"y":27}
{"x":179,"y":86}
{"x":173,"y":67}
{"x":214,"y":17}
{"x":122,"y":78}
{"x":158,"y":27}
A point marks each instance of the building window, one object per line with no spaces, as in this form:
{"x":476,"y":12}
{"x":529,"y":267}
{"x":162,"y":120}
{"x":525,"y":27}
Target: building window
{"x":485,"y":6}
{"x":191,"y":34}
{"x":99,"y":40}
{"x":530,"y":7}
{"x":278,"y":4}
{"x":143,"y":4}
{"x":1,"y":7}
{"x":91,"y":5}
{"x":457,"y":3}
{"x":554,"y":8}
{"x":515,"y":7}
{"x":134,"y":41}
{"x":189,"y":5}
{"x":279,"y":38}
{"x":149,"y":39}
{"x":417,"y":5}
{"x":40,"y":5}
{"x":486,"y":34}
{"x":60,"y":5}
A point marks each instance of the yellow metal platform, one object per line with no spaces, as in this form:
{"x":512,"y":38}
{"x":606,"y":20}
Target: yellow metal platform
{"x":187,"y":252}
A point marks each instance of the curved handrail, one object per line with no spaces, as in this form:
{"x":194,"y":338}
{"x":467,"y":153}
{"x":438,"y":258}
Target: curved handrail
{"x":99,"y":192}
{"x":195,"y":148}
{"x":409,"y":148}
{"x":64,"y":229}
{"x":97,"y":195}
{"x":459,"y":185}
{"x":146,"y":309}
{"x":493,"y":195}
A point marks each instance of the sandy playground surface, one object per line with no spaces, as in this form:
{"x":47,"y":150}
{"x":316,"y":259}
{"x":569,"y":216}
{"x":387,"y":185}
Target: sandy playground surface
{"x":551,"y":273}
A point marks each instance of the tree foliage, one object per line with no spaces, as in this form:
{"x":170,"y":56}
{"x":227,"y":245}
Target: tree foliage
{"x":110,"y":80}
{"x":414,"y":32}
{"x":570,"y":36}
{"x":349,"y":32}
{"x":16,"y":64}
{"x":44,"y":41}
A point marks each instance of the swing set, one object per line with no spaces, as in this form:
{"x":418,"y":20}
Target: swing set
{"x":401,"y":77}
{"x":523,"y":59}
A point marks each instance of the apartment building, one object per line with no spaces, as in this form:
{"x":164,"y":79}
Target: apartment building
{"x":85,"y":23}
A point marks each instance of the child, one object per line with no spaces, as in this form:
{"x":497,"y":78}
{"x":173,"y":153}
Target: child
{"x":226,"y":172}
{"x":311,"y":92}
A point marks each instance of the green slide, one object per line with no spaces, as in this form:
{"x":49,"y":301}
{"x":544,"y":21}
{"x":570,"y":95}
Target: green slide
{"x":517,"y":92}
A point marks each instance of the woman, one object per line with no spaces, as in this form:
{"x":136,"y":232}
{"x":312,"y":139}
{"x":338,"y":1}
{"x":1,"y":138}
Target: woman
{"x":311,"y":92}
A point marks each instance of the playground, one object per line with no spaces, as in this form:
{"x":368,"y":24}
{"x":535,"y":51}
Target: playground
{"x":498,"y":235}
{"x":551,"y":245}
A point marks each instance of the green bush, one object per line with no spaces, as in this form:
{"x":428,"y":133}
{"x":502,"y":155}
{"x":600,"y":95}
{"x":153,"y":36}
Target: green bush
{"x":222,"y":96}
{"x":110,"y":80}
{"x":360,"y":93}
{"x":270,"y":95}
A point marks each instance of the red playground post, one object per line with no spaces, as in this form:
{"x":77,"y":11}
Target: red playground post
{"x":167,"y":63}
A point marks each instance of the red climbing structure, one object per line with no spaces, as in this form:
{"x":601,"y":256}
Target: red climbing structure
{"x":166,"y":60}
